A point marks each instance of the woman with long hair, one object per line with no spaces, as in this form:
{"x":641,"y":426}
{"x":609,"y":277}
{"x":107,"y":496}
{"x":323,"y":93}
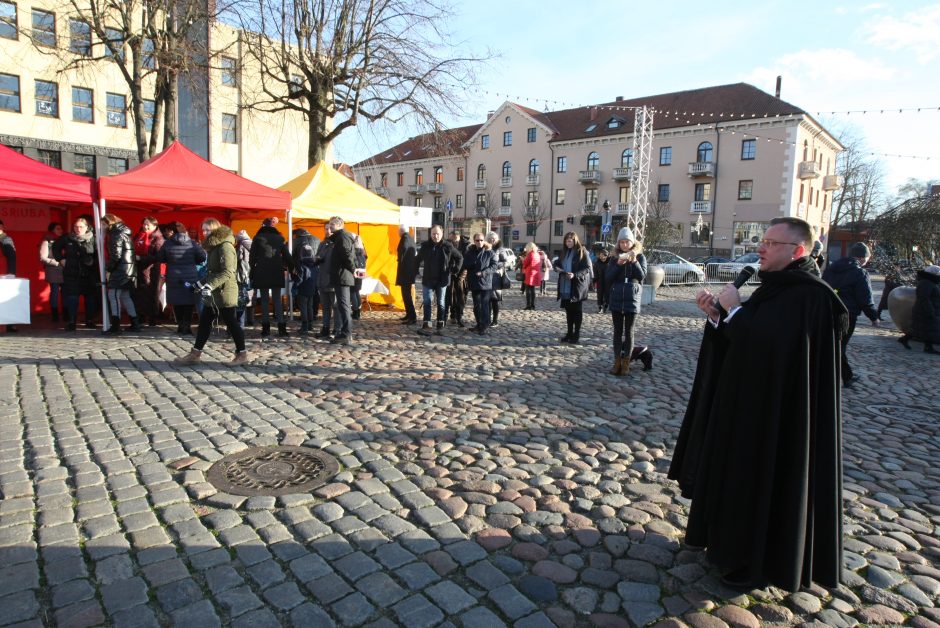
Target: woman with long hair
{"x":623,"y":279}
{"x":147,"y":245}
{"x":122,"y":272}
{"x":219,"y":292}
{"x":78,"y":257}
{"x":502,"y":258}
{"x":574,"y":276}
{"x":52,"y":268}
{"x":531,"y":273}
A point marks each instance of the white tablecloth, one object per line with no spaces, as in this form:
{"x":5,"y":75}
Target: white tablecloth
{"x":371,"y":285}
{"x":14,"y":301}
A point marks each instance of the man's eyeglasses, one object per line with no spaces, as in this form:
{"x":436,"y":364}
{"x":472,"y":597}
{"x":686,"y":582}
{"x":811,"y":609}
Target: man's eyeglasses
{"x":770,"y":243}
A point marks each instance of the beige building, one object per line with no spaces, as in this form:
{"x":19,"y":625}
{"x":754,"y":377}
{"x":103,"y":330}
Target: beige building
{"x":725,"y":161}
{"x":79,"y":120}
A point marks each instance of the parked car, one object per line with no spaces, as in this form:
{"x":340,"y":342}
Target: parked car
{"x":677,"y":269}
{"x":730,"y":270}
{"x":709,"y":259}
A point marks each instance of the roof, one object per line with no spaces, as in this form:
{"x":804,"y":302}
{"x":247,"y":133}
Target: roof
{"x":323,"y":192}
{"x":179,"y":179}
{"x":438,"y":144}
{"x":28,"y":182}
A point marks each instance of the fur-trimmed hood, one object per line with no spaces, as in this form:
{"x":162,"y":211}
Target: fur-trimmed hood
{"x":219,"y":236}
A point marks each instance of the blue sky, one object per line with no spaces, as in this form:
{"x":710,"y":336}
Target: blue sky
{"x":833,"y":57}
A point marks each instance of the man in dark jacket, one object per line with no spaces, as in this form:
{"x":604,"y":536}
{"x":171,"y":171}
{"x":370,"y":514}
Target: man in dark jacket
{"x":268,"y":259}
{"x":305,"y":242}
{"x":850,"y":281}
{"x":342,"y":279}
{"x":439,"y":257}
{"x":407,"y":272}
{"x":9,"y":253}
{"x":456,"y":298}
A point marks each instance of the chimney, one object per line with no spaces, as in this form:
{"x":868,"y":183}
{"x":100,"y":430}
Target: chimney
{"x":779,"y":81}
{"x":618,"y":99}
{"x":593,"y":113}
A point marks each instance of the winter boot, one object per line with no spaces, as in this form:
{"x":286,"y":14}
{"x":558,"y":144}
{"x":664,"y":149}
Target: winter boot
{"x":265,"y":330}
{"x":426,"y":329}
{"x":440,"y":328}
{"x":241,"y":357}
{"x":190,"y":358}
{"x":135,"y":324}
{"x":624,"y":365}
{"x":618,"y":363}
{"x":324,"y":333}
{"x":115,"y":327}
{"x":304,"y":328}
{"x":282,"y":330}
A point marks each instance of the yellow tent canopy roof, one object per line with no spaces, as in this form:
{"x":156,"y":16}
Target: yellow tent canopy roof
{"x":322,"y":192}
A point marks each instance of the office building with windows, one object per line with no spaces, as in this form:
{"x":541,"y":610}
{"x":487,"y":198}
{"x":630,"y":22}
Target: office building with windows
{"x":725,"y":161}
{"x":73,"y":113}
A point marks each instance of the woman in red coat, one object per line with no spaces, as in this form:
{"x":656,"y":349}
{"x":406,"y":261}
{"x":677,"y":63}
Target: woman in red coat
{"x":532,"y":273}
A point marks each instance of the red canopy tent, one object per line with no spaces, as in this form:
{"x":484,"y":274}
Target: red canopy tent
{"x":177,"y":179}
{"x":32,"y":195}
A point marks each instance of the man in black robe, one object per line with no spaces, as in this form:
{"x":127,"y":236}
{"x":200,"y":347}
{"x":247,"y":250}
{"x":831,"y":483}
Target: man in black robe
{"x":760,"y":449}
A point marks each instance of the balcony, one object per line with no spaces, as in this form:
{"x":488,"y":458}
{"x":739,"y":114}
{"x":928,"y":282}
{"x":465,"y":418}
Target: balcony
{"x":801,"y":210}
{"x":479,"y":184}
{"x":622,"y":174}
{"x":480,"y":211}
{"x":589,"y":177}
{"x":505,"y":210}
{"x":623,"y":208}
{"x":831,"y":182}
{"x":533,"y":179}
{"x":505,"y":182}
{"x":702,"y":169}
{"x":589,"y":208}
{"x":701,"y":207}
{"x":382,"y":191}
{"x":417,"y":189}
{"x":436,"y":188}
{"x":809,"y":170}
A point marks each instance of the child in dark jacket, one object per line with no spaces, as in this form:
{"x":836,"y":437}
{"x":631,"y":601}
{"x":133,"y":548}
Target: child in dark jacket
{"x":600,"y":271}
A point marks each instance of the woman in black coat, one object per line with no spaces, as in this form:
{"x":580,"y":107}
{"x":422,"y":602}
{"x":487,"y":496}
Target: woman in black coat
{"x":122,"y":272}
{"x":78,"y":257}
{"x":574,"y":276}
{"x":147,"y":244}
{"x":925,"y":317}
{"x":268,"y":259}
{"x":181,"y":255}
{"x":479,"y":264}
{"x":623,"y":278}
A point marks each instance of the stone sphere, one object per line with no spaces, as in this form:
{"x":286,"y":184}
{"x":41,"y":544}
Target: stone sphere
{"x":900,"y":306}
{"x":655,"y":276}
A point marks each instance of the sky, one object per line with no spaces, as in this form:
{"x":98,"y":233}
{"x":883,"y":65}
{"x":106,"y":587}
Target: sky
{"x":833,"y":57}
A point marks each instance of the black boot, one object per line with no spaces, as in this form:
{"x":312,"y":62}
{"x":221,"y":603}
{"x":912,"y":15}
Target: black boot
{"x":905,"y":340}
{"x":304,"y":328}
{"x":440,"y":328}
{"x":356,"y":314}
{"x":135,"y":324}
{"x":282,"y":330}
{"x":55,"y":315}
{"x":265,"y":330}
{"x":115,"y":327}
{"x":324,"y":333}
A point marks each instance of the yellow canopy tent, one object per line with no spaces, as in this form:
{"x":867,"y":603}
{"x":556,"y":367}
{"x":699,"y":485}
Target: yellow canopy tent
{"x":321,"y":193}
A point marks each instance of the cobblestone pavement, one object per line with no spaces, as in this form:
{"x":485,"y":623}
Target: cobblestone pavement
{"x":489,"y":481}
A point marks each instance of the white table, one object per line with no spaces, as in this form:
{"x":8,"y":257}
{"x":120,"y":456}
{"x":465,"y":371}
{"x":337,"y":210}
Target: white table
{"x":14,"y":301}
{"x":371,"y":285}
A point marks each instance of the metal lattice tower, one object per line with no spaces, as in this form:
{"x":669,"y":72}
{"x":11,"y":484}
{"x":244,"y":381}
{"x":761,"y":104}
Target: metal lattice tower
{"x":640,"y":175}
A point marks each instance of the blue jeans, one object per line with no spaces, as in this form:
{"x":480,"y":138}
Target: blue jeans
{"x":55,"y":289}
{"x":439,"y":294}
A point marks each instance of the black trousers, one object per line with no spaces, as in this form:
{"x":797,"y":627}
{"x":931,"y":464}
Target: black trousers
{"x":623,"y":333}
{"x":184,"y":316}
{"x":574,"y":314}
{"x":408,"y":296}
{"x":530,"y":297}
{"x":482,"y":300}
{"x":227,"y":315}
{"x":847,"y":373}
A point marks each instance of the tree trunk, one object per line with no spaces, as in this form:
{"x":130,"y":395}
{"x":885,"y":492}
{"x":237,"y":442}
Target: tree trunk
{"x":316,"y":148}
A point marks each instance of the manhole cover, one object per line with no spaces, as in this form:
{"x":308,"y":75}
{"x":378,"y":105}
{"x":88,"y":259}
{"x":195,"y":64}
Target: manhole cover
{"x":910,"y":414}
{"x":273,"y":471}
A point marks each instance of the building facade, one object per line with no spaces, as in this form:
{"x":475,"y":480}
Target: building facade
{"x":725,"y":161}
{"x":75,"y":115}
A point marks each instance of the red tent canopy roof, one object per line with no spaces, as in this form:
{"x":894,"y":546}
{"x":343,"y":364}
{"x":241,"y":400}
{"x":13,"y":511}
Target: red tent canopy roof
{"x":25,"y":180}
{"x":179,"y":179}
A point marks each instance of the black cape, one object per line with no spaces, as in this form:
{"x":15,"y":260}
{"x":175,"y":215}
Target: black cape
{"x":760,"y":449}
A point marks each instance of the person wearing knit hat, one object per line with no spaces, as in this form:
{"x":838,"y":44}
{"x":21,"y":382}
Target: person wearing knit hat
{"x":623,"y":279}
{"x":925,"y":315}
{"x":850,"y":281}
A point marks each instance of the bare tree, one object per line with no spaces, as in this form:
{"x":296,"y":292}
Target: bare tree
{"x":911,"y":228}
{"x":861,"y":196}
{"x":343,"y":61}
{"x":536,"y":213}
{"x":660,"y":231}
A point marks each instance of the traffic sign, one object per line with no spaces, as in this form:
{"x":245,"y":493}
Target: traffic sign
{"x":605,"y":228}
{"x":448,"y":206}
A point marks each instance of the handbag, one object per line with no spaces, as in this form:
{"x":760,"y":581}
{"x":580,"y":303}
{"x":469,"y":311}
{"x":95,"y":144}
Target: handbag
{"x":505,"y":283}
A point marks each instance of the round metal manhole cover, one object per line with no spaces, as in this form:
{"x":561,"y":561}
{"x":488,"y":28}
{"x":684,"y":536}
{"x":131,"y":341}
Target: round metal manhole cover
{"x":273,"y":471}
{"x":908,"y":414}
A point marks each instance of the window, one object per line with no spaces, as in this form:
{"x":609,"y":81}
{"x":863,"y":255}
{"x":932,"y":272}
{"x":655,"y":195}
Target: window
{"x":704,"y":152}
{"x":590,"y":196}
{"x":625,"y":196}
{"x":150,"y":110}
{"x":505,"y":199}
{"x":507,"y":169}
{"x":626,"y":158}
{"x":562,"y":164}
{"x":9,"y":92}
{"x":560,"y":196}
{"x":229,"y":76}
{"x":748,"y":149}
{"x":84,"y":164}
{"x":419,"y":202}
{"x":80,"y":38}
{"x":117,"y":165}
{"x":147,"y":49}
{"x":662,"y":193}
{"x":229,"y":128}
{"x":593,"y":161}
{"x":419,"y":176}
{"x":438,"y":174}
{"x":530,"y":135}
{"x":703,"y":191}
{"x":614,"y":123}
{"x":43,"y":28}
{"x":368,"y":181}
{"x":534,"y":167}
{"x":481,"y":200}
{"x":745,"y":190}
{"x":116,"y":40}
{"x":50,"y":158}
{"x":117,"y":110}
{"x":559,"y":227}
{"x":665,"y":156}
{"x":83,"y":105}
{"x":458,"y":201}
{"x":8,"y":21}
{"x":591,"y":127}
{"x":507,"y":138}
{"x":438,"y":202}
{"x":47,"y":99}
{"x":383,"y":177}
{"x":460,"y":174}
{"x":481,"y":173}
{"x":530,"y":228}
{"x":485,"y":142}
{"x":532,"y":198}
{"x":399,"y":179}
{"x":700,"y":234}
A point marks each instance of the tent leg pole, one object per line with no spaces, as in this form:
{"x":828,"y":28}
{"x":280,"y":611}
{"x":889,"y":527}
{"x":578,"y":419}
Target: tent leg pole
{"x":290,"y":247}
{"x":99,"y":244}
